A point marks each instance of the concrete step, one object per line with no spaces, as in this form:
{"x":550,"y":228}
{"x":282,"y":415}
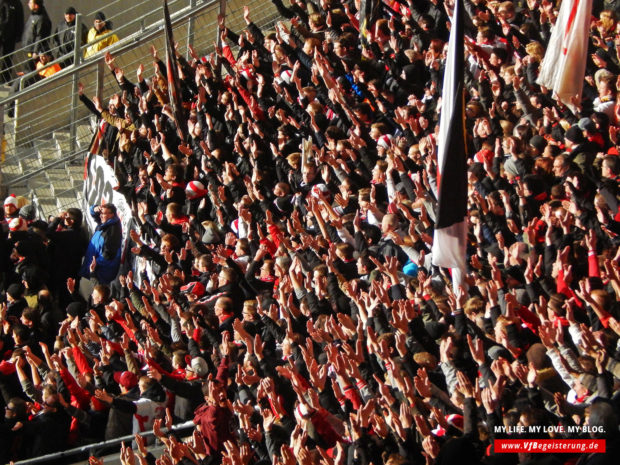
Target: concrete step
{"x":84,"y":135}
{"x":42,"y":190}
{"x":48,"y":206}
{"x":58,"y":173}
{"x":75,"y":171}
{"x":58,"y":180}
{"x":22,"y":191}
{"x":49,"y":154}
{"x":30,"y":163}
{"x":65,"y":146}
{"x":59,"y":188}
{"x":58,"y":135}
{"x":67,"y":200}
{"x":11,"y":168}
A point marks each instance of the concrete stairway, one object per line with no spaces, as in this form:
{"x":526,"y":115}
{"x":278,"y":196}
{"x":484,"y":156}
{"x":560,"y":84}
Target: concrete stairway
{"x":58,"y":186}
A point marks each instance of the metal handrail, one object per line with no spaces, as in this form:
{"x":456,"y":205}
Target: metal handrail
{"x":53,"y":164}
{"x":88,"y":448}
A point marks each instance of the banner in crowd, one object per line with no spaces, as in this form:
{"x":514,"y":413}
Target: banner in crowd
{"x":100,"y":186}
{"x":174,"y":86}
{"x":449,"y":244}
{"x":564,"y":65}
{"x":369,"y":10}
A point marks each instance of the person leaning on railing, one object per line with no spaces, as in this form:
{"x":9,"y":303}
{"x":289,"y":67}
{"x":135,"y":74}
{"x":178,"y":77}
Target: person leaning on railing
{"x":25,"y":80}
{"x":64,"y":35}
{"x":100,"y":28}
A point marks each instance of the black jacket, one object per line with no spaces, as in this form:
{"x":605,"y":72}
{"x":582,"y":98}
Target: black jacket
{"x":37,"y":30}
{"x":64,"y":37}
{"x":48,"y":432}
{"x":11,"y":24}
{"x":67,"y":249}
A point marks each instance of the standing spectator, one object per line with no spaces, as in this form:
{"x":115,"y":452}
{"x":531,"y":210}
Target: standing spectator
{"x":103,"y":255}
{"x":36,"y":32}
{"x":100,"y":28}
{"x":64,"y":36}
{"x":68,"y":244}
{"x":11,"y":28}
{"x":148,"y":408}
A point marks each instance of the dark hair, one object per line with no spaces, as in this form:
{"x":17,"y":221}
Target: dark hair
{"x":76,"y":216}
{"x":177,"y":170}
{"x":20,"y":331}
{"x":602,"y":415}
{"x":31,"y":314}
{"x":111,"y":207}
{"x":19,"y":407}
{"x":500,"y":53}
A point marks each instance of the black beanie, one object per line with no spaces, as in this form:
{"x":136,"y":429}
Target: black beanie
{"x":76,"y":309}
{"x":15,"y":290}
{"x":574,"y":134}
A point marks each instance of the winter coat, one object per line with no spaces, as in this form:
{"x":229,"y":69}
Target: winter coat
{"x":11,"y":24}
{"x":120,"y":419}
{"x":94,"y":35}
{"x":215,"y":426}
{"x":67,"y":249}
{"x":36,"y":32}
{"x":105,"y":246}
{"x":64,"y":37}
{"x":48,"y":431}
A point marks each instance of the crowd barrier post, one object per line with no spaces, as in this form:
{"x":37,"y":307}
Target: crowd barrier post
{"x":191,"y":26}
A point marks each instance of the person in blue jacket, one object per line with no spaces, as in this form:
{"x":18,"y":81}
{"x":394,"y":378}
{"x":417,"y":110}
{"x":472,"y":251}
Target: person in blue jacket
{"x":103,"y":255}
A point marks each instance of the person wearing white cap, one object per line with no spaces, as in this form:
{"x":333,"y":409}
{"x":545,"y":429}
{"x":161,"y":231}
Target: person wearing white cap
{"x":18,"y":224}
{"x":195,"y":190}
{"x":11,"y":207}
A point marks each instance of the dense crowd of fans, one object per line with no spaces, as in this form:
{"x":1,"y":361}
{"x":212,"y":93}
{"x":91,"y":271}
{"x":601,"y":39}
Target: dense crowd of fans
{"x":290,"y":308}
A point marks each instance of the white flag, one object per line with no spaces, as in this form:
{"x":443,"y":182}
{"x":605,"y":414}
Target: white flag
{"x":564,"y":65}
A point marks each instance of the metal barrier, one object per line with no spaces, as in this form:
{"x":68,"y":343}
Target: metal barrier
{"x":90,"y":448}
{"x":51,"y":127}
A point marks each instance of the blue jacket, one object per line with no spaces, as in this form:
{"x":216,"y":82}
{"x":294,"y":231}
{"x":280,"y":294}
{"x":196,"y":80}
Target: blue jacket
{"x":105,"y":246}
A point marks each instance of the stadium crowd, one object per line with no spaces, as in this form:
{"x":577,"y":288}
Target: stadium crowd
{"x":290,"y":307}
